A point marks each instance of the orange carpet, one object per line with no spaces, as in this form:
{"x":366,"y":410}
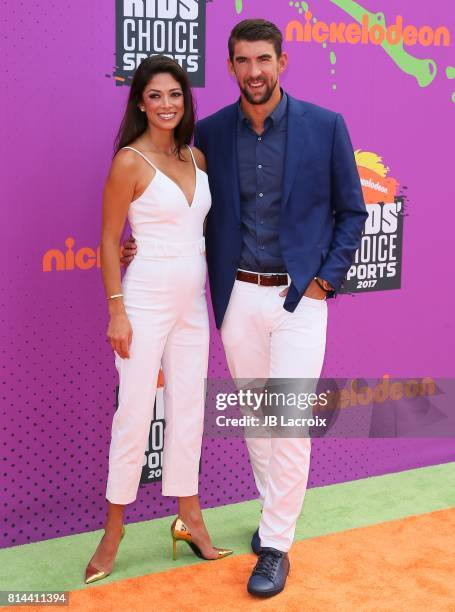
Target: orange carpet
{"x":403,"y":565}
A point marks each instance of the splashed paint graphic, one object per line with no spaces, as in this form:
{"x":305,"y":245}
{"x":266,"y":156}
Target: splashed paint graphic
{"x":374,"y":173}
{"x":333,"y":60}
{"x":303,"y":8}
{"x":239,"y":6}
{"x":372,"y":161}
{"x":424,"y":70}
{"x":450,"y":74}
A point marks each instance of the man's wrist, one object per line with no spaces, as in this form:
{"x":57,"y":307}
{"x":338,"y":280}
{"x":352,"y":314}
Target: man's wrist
{"x":323,"y":284}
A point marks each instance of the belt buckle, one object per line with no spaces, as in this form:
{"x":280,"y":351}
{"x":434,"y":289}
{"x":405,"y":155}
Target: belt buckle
{"x":259,"y":278}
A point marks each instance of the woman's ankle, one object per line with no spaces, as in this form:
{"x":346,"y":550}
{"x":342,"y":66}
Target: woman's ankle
{"x":192,"y":517}
{"x":113,"y":528}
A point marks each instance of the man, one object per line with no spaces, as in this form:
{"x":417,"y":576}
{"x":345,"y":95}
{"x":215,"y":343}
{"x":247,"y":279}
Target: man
{"x":286,"y":201}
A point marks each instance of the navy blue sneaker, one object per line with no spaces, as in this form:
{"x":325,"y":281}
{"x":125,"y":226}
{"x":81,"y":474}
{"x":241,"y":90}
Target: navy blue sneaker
{"x":269,"y":574}
{"x":256,"y":542}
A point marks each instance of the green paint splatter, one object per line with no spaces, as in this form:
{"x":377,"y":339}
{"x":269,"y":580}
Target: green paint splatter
{"x":450,"y":72}
{"x":239,"y":6}
{"x":424,"y":70}
{"x":304,"y":8}
{"x":333,"y":60}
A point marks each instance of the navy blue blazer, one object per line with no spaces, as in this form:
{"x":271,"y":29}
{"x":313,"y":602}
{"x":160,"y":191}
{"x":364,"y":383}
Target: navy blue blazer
{"x":322,"y":210}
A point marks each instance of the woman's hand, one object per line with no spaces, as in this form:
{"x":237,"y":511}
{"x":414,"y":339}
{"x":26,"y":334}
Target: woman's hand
{"x":120,"y":334}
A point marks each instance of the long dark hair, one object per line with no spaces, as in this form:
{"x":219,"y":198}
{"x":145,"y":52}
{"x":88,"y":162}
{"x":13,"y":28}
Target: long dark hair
{"x":134,"y":122}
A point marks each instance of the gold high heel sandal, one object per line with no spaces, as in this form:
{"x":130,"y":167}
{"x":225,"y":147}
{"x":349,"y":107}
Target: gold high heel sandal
{"x":180,"y":531}
{"x":92,"y":574}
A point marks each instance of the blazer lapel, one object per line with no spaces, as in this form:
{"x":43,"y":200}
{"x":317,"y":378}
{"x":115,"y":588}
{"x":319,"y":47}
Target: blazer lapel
{"x":231,"y":162}
{"x":295,"y":143}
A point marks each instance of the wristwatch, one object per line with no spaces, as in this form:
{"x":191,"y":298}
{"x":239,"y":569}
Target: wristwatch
{"x":325,"y":285}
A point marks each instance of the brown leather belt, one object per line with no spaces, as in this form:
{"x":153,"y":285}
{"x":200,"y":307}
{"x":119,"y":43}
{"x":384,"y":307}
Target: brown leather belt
{"x":266,"y":280}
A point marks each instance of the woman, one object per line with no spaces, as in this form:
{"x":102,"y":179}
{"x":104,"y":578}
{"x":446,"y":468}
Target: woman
{"x":158,"y":315}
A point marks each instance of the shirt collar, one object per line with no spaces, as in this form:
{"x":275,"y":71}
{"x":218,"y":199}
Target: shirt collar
{"x":275,"y":116}
{"x":279,"y":111}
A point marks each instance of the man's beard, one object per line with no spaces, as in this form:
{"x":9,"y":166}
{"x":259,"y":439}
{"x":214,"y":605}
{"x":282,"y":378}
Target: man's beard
{"x":263,"y":99}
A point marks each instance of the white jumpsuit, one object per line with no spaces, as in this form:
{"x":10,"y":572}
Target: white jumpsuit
{"x":164,"y":297}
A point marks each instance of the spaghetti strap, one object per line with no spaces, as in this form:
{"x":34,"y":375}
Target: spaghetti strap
{"x":192,"y":156}
{"x":143,"y":157}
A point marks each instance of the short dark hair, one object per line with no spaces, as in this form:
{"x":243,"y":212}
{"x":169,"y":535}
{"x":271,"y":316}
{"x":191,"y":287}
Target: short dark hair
{"x":134,"y":122}
{"x":253,"y":30}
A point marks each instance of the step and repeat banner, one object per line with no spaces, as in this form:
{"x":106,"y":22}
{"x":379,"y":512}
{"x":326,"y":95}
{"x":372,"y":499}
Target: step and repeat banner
{"x":387,"y":67}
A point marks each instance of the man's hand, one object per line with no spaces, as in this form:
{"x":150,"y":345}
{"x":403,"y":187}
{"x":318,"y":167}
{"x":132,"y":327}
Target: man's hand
{"x":313,"y":291}
{"x":128,"y":252}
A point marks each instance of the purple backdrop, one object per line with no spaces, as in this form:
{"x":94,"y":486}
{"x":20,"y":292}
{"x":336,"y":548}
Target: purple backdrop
{"x":58,"y":383}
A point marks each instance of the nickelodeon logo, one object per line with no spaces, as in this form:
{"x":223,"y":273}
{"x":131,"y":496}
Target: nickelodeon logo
{"x":364,"y":33}
{"x":84,"y":258}
{"x":386,"y":390}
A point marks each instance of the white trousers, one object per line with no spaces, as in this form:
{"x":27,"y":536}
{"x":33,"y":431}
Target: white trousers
{"x":166,"y":305}
{"x":262,"y":340}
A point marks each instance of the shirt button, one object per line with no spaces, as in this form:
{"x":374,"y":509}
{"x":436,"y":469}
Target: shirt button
{"x":259,"y":138}
{"x":261,"y":221}
{"x":259,"y":165}
{"x":260,"y":195}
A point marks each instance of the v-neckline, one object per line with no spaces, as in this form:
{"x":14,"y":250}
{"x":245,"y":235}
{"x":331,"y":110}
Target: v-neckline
{"x":190,"y":205}
{"x":193,"y":161}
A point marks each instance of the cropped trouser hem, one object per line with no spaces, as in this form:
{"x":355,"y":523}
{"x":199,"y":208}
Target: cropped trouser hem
{"x":175,"y":492}
{"x":121,"y":501}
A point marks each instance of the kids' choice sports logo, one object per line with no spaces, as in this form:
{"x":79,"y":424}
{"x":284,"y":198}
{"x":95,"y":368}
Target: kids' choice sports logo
{"x":175,"y":28}
{"x":377,"y":262}
{"x":152,"y":463}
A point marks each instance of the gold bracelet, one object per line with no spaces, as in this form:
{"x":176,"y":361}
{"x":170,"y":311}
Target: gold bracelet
{"x":116,"y":295}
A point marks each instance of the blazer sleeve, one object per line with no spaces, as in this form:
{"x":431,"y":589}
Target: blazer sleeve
{"x":348,"y":206}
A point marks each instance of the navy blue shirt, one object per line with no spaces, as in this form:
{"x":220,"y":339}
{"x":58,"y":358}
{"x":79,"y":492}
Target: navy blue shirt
{"x":261,"y":166}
